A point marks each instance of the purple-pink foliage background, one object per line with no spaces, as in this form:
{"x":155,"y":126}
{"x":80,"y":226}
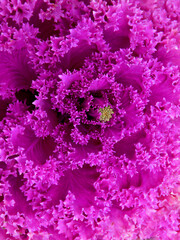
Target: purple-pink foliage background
{"x":64,"y":174}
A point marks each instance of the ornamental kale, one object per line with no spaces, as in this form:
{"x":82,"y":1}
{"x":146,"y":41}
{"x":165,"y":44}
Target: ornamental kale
{"x":89,"y":119}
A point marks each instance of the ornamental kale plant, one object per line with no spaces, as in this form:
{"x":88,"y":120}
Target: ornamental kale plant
{"x":89,"y":119}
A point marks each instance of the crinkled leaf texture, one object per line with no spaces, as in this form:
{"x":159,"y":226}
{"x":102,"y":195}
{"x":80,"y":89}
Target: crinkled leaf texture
{"x":89,"y":120}
{"x":15,"y":73}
